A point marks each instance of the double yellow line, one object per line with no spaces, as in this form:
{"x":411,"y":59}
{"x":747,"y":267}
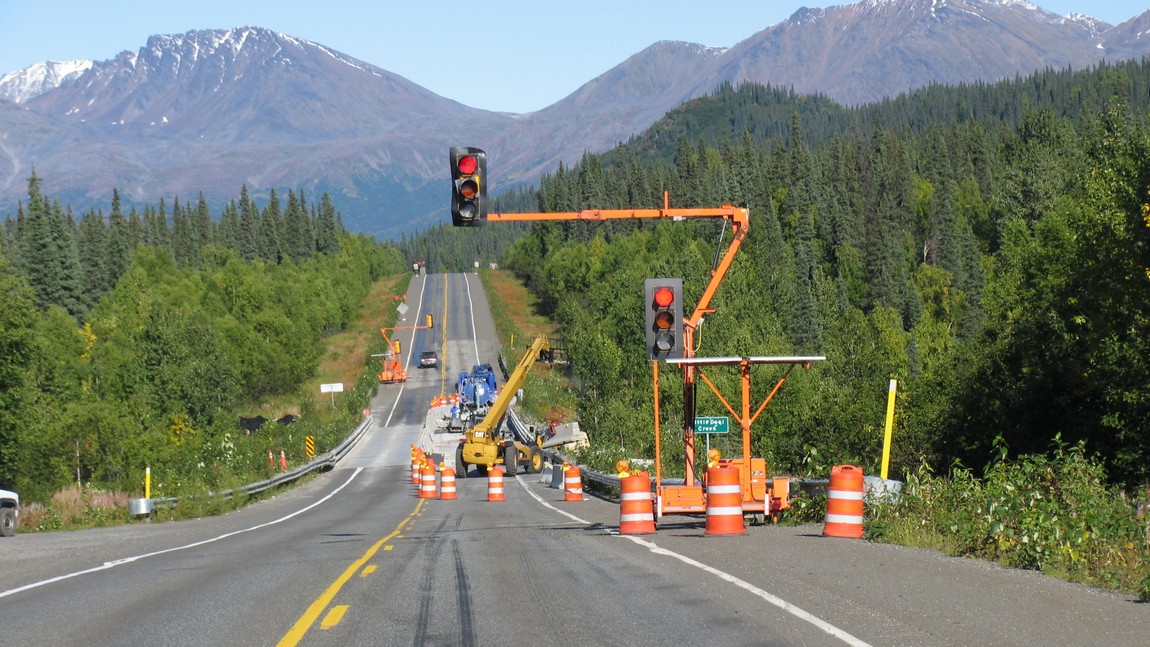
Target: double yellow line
{"x":305,"y":622}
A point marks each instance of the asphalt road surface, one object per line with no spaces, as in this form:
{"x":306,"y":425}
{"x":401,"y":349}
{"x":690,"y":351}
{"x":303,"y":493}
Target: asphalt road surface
{"x":354,"y":557}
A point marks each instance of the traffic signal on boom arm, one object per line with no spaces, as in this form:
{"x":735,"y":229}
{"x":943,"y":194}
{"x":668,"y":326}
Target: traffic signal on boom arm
{"x":468,"y":186}
{"x":664,"y":318}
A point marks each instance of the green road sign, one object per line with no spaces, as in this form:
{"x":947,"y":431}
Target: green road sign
{"x":712,"y":424}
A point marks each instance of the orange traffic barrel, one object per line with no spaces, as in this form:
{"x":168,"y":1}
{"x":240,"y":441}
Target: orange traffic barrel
{"x":724,"y":501}
{"x":572,"y":484}
{"x":495,"y":484}
{"x":427,"y":487}
{"x":636,"y":506}
{"x":447,"y":483}
{"x":415,"y":463}
{"x":845,"y":503}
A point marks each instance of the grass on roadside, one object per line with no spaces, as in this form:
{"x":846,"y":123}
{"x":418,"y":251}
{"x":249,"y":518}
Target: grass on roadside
{"x":515,"y":311}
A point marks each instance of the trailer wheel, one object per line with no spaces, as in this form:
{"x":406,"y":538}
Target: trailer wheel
{"x":460,"y":466}
{"x":534,"y":461}
{"x":511,"y":460}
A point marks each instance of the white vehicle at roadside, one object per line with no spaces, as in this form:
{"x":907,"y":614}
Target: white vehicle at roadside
{"x":9,"y":512}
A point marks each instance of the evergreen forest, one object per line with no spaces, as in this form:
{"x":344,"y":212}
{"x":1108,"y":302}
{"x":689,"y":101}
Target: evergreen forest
{"x":138,"y":339}
{"x":986,"y":246}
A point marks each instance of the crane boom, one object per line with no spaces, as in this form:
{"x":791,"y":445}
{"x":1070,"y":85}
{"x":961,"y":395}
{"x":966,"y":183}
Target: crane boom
{"x":480,"y":445}
{"x":498,"y":409}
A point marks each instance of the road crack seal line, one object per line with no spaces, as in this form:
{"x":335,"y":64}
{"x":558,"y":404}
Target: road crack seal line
{"x":747,"y":586}
{"x":466,"y":613}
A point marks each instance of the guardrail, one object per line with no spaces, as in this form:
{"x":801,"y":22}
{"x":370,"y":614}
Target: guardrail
{"x":321,"y":462}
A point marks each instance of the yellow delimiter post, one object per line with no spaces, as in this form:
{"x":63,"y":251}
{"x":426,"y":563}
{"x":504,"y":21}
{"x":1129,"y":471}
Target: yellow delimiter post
{"x":147,"y":482}
{"x":889,"y":429}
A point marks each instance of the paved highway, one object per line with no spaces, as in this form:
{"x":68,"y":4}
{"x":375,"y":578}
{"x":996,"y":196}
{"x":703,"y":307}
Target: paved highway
{"x":353,"y":557}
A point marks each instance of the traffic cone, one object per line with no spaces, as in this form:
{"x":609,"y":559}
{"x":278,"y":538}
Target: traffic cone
{"x":845,"y":503}
{"x":636,"y":507}
{"x":447,"y":484}
{"x":283,"y":461}
{"x":724,"y":502}
{"x":495,"y":484}
{"x":427,"y":486}
{"x":572,"y":484}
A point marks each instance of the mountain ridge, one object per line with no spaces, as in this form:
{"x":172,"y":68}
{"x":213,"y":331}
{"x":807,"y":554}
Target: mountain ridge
{"x":210,"y":110}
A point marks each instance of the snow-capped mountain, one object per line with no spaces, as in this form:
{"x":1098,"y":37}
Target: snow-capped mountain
{"x":210,"y":110}
{"x":36,"y":79}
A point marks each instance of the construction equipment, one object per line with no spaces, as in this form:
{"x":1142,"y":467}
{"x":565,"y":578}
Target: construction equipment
{"x":477,"y":388}
{"x":393,"y":371}
{"x":481,"y":445}
{"x":760,"y":498}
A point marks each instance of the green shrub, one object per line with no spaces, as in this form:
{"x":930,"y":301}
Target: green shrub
{"x":1054,"y":513}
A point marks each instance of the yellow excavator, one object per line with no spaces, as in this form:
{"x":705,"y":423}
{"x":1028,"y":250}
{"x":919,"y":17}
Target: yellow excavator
{"x":481,"y":445}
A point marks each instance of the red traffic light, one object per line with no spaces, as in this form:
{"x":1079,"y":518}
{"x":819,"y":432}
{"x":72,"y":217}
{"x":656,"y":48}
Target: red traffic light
{"x":468,"y":186}
{"x":664,"y":297}
{"x":664,"y":318}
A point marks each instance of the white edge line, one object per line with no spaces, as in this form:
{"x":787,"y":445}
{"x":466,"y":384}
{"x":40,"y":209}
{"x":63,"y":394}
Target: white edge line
{"x":410,"y":352}
{"x":770,"y":598}
{"x":471,"y":309}
{"x":128,"y":560}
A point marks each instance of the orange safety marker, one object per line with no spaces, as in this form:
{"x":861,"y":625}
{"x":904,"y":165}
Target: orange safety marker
{"x":495,"y":484}
{"x":416,"y":459}
{"x":427,"y":486}
{"x":845,"y":503}
{"x":636,"y":505}
{"x":447,"y":483}
{"x":572,"y":484}
{"x":724,"y":502}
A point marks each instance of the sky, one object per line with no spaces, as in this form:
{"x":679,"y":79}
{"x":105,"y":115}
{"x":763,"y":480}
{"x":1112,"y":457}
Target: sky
{"x":505,"y":55}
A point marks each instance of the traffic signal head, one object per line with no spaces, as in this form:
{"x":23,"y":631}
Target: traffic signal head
{"x":664,"y":318}
{"x":430,"y":321}
{"x":468,"y":186}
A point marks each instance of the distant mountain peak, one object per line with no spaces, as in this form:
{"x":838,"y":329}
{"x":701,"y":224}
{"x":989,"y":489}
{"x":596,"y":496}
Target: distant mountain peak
{"x":21,"y":85}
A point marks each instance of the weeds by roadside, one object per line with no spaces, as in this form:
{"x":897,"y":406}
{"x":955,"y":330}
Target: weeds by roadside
{"x":1054,"y":513}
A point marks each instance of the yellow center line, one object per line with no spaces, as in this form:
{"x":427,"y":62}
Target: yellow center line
{"x":333,"y":617}
{"x":296,"y":633}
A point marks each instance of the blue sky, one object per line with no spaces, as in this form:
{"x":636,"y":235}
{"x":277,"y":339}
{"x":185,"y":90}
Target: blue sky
{"x":510,"y":55}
